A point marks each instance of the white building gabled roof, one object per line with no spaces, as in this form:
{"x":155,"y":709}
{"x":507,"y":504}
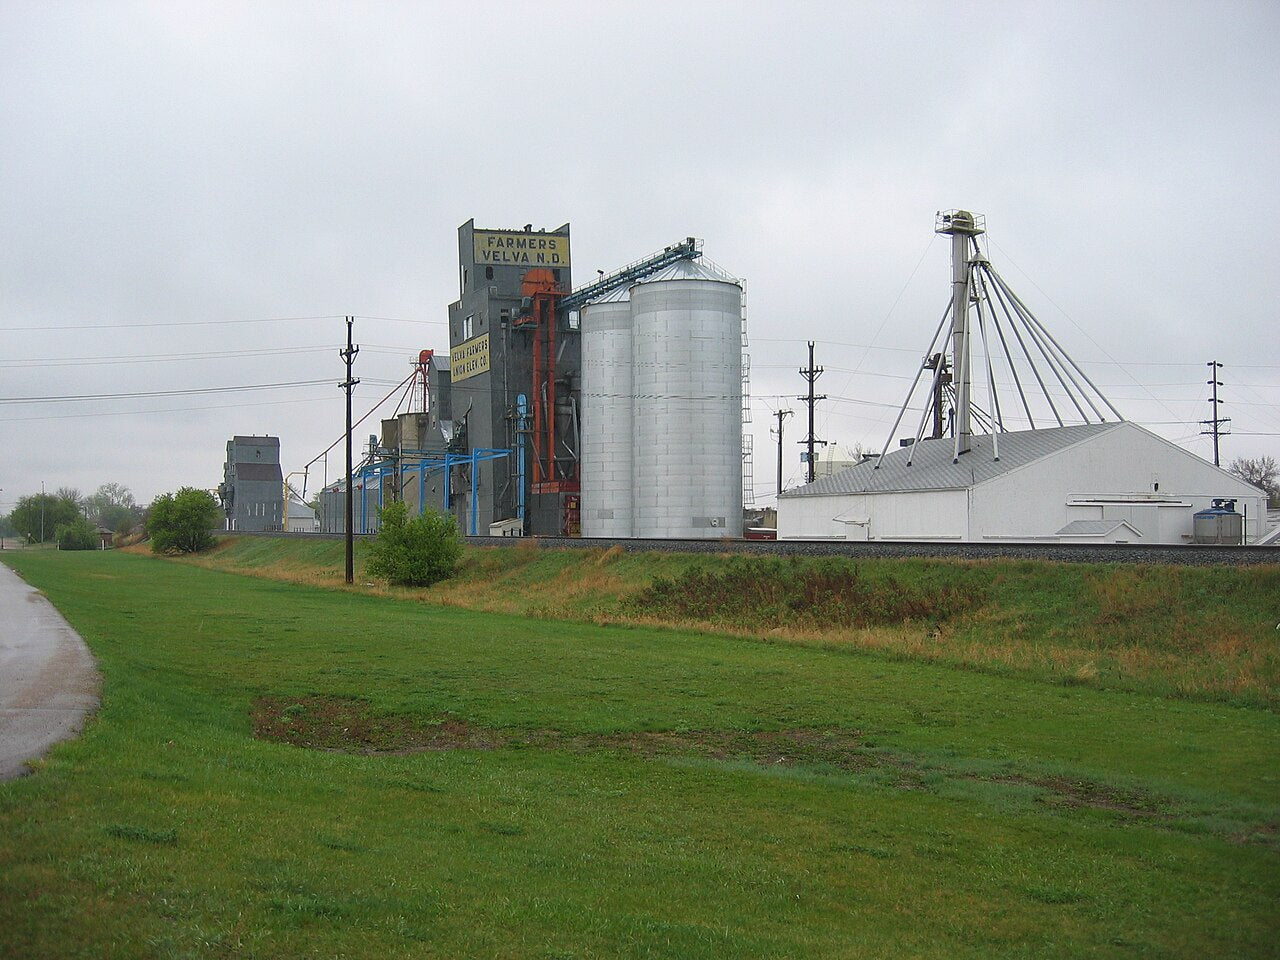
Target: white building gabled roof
{"x":932,"y":468}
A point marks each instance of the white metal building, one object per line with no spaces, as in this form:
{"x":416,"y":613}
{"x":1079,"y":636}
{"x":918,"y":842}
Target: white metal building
{"x":1088,"y":483}
{"x":302,"y":518}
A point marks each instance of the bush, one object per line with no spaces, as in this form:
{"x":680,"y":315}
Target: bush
{"x":414,"y":552}
{"x":77,"y":535}
{"x":774,"y":592}
{"x":183,"y":522}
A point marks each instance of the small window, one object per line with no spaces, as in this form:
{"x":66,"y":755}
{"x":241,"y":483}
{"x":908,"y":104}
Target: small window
{"x":467,"y":325}
{"x":488,"y":273}
{"x":556,"y":273}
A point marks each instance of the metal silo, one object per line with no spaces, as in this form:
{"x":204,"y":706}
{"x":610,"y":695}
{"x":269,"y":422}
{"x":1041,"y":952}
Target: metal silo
{"x":607,"y":394}
{"x":687,"y":377}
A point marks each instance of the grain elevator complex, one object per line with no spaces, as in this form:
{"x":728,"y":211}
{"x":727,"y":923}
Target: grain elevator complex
{"x":613,"y":409}
{"x":616,"y":409}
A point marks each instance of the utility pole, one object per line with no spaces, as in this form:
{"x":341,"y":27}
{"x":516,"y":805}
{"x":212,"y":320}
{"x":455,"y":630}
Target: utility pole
{"x":781,"y":415}
{"x":811,"y":373}
{"x":1216,"y":424}
{"x":348,"y":356}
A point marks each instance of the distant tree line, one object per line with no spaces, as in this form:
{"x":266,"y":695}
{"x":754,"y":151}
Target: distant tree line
{"x":178,"y":522}
{"x":72,"y":519}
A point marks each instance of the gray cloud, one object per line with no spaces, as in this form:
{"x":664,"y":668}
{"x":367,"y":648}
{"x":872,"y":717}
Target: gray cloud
{"x":200,"y":165}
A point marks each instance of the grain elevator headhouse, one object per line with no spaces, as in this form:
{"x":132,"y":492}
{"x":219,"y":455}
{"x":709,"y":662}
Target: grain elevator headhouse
{"x":515,"y":360}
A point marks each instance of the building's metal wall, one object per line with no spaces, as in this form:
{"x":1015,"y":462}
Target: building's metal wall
{"x":1125,"y":474}
{"x":483,"y":404}
{"x":607,"y":427}
{"x":252,"y":489}
{"x":687,"y":355}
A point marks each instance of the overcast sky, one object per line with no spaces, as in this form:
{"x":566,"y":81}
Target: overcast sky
{"x":193,"y":195}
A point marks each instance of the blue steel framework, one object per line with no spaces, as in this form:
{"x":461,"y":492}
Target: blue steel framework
{"x":424,"y":461}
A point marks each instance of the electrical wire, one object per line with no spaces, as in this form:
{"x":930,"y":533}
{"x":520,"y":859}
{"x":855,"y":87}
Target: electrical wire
{"x":159,"y":357}
{"x":343,"y":435}
{"x":138,"y":413}
{"x":163,"y":323}
{"x":161,"y":393}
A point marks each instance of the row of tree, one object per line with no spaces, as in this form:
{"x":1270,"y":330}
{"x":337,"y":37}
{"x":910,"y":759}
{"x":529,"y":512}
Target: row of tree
{"x":38,"y":518}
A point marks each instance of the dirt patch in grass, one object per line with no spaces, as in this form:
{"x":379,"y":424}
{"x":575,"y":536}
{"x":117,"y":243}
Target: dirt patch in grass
{"x":349,"y":725}
{"x":1065,"y":792}
{"x":835,"y":749}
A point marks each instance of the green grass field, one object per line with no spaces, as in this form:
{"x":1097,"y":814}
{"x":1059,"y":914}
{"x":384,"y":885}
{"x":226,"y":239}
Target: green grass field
{"x":285,"y":770}
{"x":1206,"y":633}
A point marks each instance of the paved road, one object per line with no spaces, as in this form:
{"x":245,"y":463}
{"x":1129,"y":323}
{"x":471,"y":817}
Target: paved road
{"x":48,"y":680}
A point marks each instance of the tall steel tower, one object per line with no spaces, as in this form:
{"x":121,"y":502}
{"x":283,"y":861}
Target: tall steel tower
{"x":960,"y":225}
{"x":1047,"y":384}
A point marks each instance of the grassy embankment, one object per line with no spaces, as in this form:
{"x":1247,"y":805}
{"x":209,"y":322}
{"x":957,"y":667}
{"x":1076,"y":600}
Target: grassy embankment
{"x":1199,"y":632}
{"x":513,"y":785}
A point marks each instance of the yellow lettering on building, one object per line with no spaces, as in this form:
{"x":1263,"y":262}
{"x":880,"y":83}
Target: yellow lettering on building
{"x":515,"y":248}
{"x":470,"y":358}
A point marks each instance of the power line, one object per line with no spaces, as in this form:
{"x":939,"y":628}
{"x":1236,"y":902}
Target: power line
{"x":159,"y":357}
{"x":183,"y":357}
{"x":162,"y":323}
{"x":161,"y":393}
{"x":143,"y":413}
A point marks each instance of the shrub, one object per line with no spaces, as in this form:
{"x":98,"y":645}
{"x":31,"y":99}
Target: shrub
{"x":183,"y":522}
{"x":414,"y":552}
{"x":773,"y":592}
{"x":80,"y":534}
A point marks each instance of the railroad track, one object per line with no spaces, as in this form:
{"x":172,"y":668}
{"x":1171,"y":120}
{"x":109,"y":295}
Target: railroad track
{"x":1174,"y":554}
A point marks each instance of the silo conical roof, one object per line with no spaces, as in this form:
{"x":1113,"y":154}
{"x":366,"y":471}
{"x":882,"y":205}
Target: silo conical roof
{"x":690,"y":270}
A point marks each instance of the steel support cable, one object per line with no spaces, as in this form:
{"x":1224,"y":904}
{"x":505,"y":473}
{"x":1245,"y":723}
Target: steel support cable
{"x":997,"y":420}
{"x":1100,"y":347}
{"x":1070,"y":368}
{"x":975,"y":285}
{"x":980,"y":415}
{"x":914,"y":383}
{"x":1045,"y":346}
{"x":1055,"y":363}
{"x":1026,"y":351}
{"x":1073,"y":365}
{"x":358,"y":422}
{"x":986,"y":346}
{"x":1004,"y":345}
